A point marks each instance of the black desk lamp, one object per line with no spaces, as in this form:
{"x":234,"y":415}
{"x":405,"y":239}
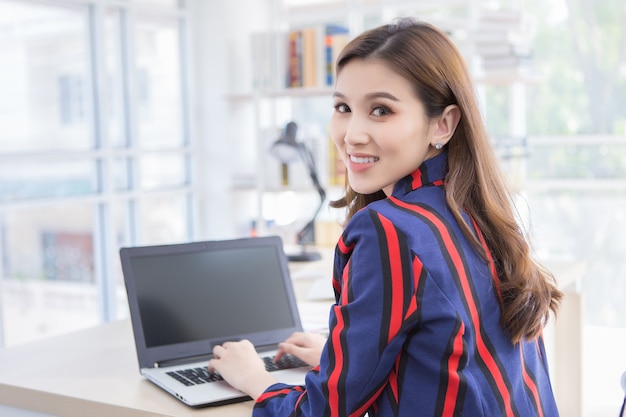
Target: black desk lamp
{"x":286,"y":149}
{"x":622,"y":412}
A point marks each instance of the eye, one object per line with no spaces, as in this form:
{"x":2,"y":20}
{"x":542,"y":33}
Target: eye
{"x":380,"y":111}
{"x":342,"y":108}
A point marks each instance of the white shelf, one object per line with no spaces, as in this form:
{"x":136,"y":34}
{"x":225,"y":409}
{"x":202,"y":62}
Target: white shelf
{"x":298,"y":92}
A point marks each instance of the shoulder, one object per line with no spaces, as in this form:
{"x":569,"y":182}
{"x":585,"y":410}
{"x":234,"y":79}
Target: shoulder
{"x":419,"y":222}
{"x":407,"y":211}
{"x":366,"y":221}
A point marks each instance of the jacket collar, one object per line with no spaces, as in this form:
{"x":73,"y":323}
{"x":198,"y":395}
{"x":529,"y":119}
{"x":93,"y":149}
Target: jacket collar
{"x":431,"y":172}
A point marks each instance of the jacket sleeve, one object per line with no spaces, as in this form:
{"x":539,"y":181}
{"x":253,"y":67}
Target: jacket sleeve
{"x":375,"y":307}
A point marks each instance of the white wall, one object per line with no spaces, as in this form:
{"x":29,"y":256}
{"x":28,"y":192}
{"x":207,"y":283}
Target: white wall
{"x":221,"y":66}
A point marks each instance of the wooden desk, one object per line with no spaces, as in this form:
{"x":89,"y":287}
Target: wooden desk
{"x":94,"y":372}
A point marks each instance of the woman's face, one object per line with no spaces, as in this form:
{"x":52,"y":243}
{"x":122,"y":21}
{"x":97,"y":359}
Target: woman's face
{"x":379,"y":126}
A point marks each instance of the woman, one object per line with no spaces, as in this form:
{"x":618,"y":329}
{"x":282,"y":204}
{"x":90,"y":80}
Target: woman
{"x":439,"y":305}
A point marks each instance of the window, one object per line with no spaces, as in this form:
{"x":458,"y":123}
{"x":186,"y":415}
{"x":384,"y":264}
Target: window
{"x":575,"y":174}
{"x":95,"y":154}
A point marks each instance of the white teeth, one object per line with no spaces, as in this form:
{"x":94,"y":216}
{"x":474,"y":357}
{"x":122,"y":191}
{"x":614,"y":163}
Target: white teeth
{"x":363,"y":160}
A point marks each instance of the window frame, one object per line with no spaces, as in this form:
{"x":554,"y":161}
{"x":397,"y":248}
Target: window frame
{"x":102,"y":153}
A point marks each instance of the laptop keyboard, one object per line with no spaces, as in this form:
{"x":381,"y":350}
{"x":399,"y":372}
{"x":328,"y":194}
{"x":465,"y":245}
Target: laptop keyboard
{"x":195,"y":376}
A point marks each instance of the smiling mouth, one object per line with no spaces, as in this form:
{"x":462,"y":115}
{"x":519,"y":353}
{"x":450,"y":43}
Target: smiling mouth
{"x":363,"y":160}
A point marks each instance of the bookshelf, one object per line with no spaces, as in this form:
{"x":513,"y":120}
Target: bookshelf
{"x":292,"y":61}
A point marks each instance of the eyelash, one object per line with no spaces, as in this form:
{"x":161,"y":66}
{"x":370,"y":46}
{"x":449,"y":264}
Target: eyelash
{"x":385,"y":109}
{"x":343,"y":108}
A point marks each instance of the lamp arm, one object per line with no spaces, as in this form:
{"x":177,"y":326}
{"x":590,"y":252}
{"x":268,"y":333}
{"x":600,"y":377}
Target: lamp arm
{"x":309,"y":162}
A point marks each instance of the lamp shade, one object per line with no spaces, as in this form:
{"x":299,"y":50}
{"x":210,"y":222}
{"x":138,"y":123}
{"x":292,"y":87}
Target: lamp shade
{"x":286,"y":149}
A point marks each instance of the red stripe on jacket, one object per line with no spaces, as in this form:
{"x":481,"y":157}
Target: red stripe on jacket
{"x":397,"y":278}
{"x":530,"y":383}
{"x":418,"y":269}
{"x":454,"y":379}
{"x":455,"y":256}
{"x":337,"y":348}
{"x":268,"y":395}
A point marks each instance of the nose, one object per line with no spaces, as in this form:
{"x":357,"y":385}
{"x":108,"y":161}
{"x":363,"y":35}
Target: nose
{"x":356,"y":132}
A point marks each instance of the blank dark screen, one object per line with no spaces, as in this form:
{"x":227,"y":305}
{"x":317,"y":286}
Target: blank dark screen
{"x":210,"y":294}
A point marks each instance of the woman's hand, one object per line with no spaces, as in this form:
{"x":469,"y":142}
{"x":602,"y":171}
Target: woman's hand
{"x":306,"y":346}
{"x":240,"y":365}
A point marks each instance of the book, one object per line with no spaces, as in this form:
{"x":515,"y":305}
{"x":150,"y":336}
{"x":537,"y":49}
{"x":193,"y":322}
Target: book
{"x":294,"y":78}
{"x":336,"y":167}
{"x":309,"y":58}
{"x":502,"y":19}
{"x":505,"y":62}
{"x":494,"y":49}
{"x":501,"y":40}
{"x":335,"y":39}
{"x":313,"y":54}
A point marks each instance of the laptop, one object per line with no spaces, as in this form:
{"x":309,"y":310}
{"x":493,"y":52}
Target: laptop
{"x":186,"y":298}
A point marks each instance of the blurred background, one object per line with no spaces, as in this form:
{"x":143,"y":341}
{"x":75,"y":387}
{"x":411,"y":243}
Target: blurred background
{"x":136,"y":122}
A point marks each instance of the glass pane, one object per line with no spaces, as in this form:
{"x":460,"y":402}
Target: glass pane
{"x":163,"y":219}
{"x":574,"y":223}
{"x":120,"y":213}
{"x":496,"y":108}
{"x":121,"y":176}
{"x":160,"y":3}
{"x":598,"y":158}
{"x":577,"y":200}
{"x":583,"y":229}
{"x":38,"y":177}
{"x":157,"y":171}
{"x":158,"y":83}
{"x":300,"y":3}
{"x":48,"y":279}
{"x":114,"y":85}
{"x":44,"y":77}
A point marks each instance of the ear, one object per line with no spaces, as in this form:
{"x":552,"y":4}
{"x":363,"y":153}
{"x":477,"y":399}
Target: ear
{"x":446,"y":125}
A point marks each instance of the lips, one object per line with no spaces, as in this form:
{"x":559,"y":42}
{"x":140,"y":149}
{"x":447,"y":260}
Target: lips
{"x":361,"y":163}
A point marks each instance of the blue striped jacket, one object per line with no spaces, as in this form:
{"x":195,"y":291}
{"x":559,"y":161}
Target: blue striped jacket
{"x":415,"y":330}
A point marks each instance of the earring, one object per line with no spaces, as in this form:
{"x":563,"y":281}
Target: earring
{"x":438,"y":145}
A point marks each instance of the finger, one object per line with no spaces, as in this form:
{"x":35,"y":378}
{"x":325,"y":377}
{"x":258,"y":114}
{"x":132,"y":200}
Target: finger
{"x":236,"y":343}
{"x":284,"y":348}
{"x":289,"y":349}
{"x":247,"y":343}
{"x":217,"y":349}
{"x":296,"y":338}
{"x":281,"y":352}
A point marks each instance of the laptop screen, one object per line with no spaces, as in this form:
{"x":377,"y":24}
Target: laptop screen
{"x":185,"y":298}
{"x":209,"y":294}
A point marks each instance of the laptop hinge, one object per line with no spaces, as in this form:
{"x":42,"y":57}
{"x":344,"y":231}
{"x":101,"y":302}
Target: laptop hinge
{"x":175,"y":362}
{"x":265,"y":348}
{"x":206,"y":357}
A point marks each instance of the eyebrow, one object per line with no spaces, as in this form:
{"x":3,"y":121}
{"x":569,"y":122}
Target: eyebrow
{"x":370,"y":96}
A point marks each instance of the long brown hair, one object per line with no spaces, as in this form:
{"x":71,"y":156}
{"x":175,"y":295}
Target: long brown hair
{"x":426,"y":57}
